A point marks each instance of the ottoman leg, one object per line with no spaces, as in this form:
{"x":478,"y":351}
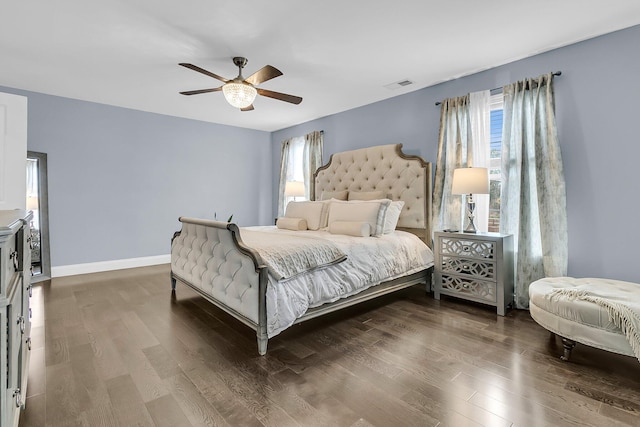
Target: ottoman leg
{"x":568,"y":346}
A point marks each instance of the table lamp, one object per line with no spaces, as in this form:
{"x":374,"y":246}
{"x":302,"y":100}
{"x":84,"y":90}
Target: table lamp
{"x":294,"y":189}
{"x":470,"y":181}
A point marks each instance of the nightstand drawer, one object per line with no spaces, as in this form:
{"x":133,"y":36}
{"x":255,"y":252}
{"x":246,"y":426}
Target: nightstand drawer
{"x":467,"y":247}
{"x":485,"y":270}
{"x":469,"y":287}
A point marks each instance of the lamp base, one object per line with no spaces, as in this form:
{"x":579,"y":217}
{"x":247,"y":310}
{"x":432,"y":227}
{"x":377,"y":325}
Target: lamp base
{"x":471,"y":228}
{"x":471,"y":207}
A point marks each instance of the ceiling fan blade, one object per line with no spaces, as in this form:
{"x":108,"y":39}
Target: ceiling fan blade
{"x":196,"y":92}
{"x":280,"y":96}
{"x":263,"y":74}
{"x":203,"y":71}
{"x":249,"y":108}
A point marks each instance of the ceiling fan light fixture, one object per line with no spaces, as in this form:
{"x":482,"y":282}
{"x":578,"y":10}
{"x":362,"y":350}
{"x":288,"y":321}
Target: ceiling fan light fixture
{"x":239,"y":95}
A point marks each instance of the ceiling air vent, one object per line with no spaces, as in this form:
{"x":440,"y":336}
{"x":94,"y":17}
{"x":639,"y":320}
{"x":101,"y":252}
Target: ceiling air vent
{"x":398,"y":85}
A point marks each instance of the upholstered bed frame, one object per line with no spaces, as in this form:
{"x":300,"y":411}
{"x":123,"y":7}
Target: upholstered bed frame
{"x":210,"y":257}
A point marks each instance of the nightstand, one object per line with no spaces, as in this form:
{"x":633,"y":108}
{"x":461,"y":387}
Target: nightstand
{"x":475,"y":266}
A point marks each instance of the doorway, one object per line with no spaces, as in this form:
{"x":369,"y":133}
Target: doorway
{"x":38,"y":202}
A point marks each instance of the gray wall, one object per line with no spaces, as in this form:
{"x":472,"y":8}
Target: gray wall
{"x":119,"y":178}
{"x":596,"y":106}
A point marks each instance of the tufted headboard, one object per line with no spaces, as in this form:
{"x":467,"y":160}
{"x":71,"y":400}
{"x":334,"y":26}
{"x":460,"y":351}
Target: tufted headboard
{"x":383,"y":168}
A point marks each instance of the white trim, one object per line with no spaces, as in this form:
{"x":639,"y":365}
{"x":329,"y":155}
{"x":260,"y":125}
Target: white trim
{"x":118,"y":264}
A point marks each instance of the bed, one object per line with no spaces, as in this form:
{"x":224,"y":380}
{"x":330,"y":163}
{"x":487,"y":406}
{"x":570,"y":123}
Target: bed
{"x":241,"y":271}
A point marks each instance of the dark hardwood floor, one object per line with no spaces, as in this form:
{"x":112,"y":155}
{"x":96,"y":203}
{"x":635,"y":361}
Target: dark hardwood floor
{"x":116,"y":348}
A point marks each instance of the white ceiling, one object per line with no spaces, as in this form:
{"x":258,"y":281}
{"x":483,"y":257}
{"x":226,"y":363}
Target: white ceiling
{"x":336,"y":54}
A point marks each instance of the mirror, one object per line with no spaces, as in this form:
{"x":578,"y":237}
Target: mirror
{"x":38,"y":202}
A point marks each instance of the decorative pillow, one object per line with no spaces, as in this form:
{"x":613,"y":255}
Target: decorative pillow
{"x":350,"y":228}
{"x":392,"y":216}
{"x":371,"y":211}
{"x":338,"y":195}
{"x":295,"y":224}
{"x":310,"y":211}
{"x":324,"y":217}
{"x":365,"y":195}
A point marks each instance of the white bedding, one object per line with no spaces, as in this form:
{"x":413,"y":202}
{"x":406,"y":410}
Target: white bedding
{"x":370,"y":261}
{"x":289,"y":255}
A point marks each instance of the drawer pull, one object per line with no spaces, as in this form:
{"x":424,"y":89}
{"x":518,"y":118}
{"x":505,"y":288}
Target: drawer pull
{"x":30,"y":241}
{"x":18,"y":397}
{"x":32,"y":274}
{"x":30,"y":313}
{"x":31,"y":286}
{"x":29,"y":343}
{"x":22,"y":324}
{"x":14,"y":257}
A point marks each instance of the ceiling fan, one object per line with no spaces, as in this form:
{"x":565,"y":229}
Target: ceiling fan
{"x":241,"y":92}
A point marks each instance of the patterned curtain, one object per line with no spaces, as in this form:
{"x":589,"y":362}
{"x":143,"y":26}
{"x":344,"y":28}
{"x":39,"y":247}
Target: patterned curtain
{"x":312,"y":159}
{"x":533,"y":200}
{"x":284,"y":167}
{"x":454,"y":151}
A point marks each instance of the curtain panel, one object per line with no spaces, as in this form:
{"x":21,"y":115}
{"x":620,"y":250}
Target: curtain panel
{"x":454,"y":151}
{"x":480,"y":112}
{"x":464,"y":141}
{"x":284,"y":165}
{"x":533,"y":199}
{"x":311,"y":159}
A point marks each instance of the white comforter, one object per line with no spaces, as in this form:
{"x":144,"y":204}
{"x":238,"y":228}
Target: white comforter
{"x":370,"y":261}
{"x":287,"y":255}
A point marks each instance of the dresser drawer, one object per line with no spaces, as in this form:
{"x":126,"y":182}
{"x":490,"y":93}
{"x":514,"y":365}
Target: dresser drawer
{"x":468,"y":248}
{"x":485,"y":270}
{"x":468,"y":287}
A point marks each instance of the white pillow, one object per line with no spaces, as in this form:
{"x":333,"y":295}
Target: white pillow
{"x":365,"y":195}
{"x":310,"y":211}
{"x":295,"y":224}
{"x":339,"y":195}
{"x":371,"y":211}
{"x":351,"y":228}
{"x":392,"y":216}
{"x":324,"y":217}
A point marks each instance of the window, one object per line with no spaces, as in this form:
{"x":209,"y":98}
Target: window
{"x":301,"y":157}
{"x":294,"y":166}
{"x":495,"y":162}
{"x":292,"y":171}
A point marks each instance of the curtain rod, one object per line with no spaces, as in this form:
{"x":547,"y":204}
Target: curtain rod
{"x":555,"y":73}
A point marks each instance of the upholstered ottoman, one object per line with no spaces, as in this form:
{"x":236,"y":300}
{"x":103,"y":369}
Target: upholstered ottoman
{"x":597,"y":312}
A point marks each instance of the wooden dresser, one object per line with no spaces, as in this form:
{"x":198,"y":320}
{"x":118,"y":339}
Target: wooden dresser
{"x":15,"y":290}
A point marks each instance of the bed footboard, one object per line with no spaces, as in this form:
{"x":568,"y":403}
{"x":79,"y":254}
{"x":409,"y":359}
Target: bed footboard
{"x":210,"y":257}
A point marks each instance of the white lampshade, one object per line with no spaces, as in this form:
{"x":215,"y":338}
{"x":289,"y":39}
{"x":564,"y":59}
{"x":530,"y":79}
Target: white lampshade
{"x":294,"y":188}
{"x":240,"y":95}
{"x":32,"y":203}
{"x":470,"y":181}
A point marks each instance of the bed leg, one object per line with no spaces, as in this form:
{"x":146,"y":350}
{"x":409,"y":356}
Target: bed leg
{"x":568,"y":346}
{"x":173,"y":283}
{"x":262,"y":345}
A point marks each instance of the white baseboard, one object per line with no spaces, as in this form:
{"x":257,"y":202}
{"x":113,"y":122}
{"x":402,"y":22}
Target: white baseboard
{"x":118,"y":264}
